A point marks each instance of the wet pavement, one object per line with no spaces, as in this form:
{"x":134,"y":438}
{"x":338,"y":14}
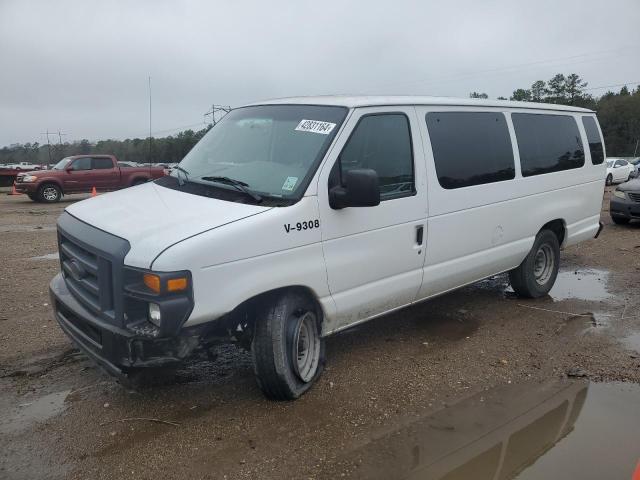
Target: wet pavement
{"x":588,"y":284}
{"x":531,"y":431}
{"x":29,"y":414}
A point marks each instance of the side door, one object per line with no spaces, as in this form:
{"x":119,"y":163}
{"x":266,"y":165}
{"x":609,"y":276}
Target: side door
{"x":78,"y":175}
{"x":105,"y":176}
{"x":620,"y":170}
{"x":374,"y":255}
{"x":474,"y":229}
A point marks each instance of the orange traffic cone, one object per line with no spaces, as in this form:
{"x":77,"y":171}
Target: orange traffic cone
{"x":14,"y":191}
{"x":93,"y":192}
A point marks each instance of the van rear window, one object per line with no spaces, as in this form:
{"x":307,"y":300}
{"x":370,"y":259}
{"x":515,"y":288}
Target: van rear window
{"x":470,"y":148}
{"x":594,"y":140}
{"x":547,"y":143}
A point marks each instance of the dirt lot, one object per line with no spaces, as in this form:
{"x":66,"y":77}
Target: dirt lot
{"x":61,"y":417}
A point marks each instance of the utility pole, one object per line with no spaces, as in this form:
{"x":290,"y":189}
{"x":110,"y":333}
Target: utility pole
{"x":48,"y":146}
{"x":60,"y":134}
{"x":217,"y":109}
{"x":149,"y":120}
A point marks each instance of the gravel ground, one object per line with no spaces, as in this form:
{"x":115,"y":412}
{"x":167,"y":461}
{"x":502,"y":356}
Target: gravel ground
{"x":61,"y":417}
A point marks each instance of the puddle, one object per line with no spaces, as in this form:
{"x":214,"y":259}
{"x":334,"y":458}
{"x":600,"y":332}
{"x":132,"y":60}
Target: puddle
{"x":583,"y":284}
{"x":525,"y":432}
{"x":48,"y":256}
{"x":632,"y":342}
{"x":35,"y":411}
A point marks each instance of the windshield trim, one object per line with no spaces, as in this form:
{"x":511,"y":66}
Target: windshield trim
{"x":313,"y":168}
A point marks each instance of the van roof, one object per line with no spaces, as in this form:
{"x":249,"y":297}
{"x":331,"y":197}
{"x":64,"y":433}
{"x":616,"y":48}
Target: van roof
{"x":353,"y":101}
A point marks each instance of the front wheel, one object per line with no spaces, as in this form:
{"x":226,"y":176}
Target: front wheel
{"x":609,"y":180}
{"x":535,"y":276}
{"x":287,"y":347}
{"x":49,"y":193}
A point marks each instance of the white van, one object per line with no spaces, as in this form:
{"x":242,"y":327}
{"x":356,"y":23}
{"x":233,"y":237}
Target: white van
{"x":294,"y":219}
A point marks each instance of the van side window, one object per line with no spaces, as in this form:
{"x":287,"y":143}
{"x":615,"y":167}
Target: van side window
{"x":470,"y":148}
{"x":595,"y":142}
{"x":102,"y":163}
{"x":547,"y":143}
{"x":382,"y":142}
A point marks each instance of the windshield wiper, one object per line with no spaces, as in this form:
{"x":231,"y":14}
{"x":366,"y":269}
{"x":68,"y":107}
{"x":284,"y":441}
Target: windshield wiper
{"x":186,"y":175}
{"x":240,"y":185}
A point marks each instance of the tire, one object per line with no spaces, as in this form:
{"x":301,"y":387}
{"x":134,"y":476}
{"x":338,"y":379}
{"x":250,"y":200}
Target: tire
{"x":139,"y":181}
{"x":537,"y":273}
{"x":287,"y":321}
{"x":620,"y":220}
{"x":609,"y":180}
{"x":49,"y":193}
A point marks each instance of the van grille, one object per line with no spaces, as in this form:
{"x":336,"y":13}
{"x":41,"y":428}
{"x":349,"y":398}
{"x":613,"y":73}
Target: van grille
{"x":88,"y":276}
{"x":634,"y":196}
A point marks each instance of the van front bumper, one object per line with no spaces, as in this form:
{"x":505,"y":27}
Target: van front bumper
{"x":624,"y":208}
{"x":116,"y":349}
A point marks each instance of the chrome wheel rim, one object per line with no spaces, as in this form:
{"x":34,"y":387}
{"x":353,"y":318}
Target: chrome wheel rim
{"x":306,"y":347}
{"x":50,"y":193}
{"x":543,"y":264}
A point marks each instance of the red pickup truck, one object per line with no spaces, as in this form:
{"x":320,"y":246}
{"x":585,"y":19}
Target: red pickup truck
{"x":81,"y":173}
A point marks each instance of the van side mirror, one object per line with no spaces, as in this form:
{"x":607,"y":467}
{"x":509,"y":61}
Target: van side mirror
{"x":360,"y":189}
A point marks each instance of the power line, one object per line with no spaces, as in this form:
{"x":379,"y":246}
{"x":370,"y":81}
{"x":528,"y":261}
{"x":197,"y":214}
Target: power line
{"x":610,"y":86}
{"x":469,"y":75}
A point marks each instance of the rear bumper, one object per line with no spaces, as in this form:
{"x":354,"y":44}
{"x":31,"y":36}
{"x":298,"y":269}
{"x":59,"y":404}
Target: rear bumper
{"x":624,"y":208}
{"x":115,"y":349}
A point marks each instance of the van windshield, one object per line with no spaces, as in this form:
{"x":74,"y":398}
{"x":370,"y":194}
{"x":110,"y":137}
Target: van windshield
{"x":273,"y":150}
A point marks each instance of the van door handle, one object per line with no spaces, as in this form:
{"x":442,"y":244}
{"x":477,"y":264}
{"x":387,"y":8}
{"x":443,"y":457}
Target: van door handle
{"x":419,"y":234}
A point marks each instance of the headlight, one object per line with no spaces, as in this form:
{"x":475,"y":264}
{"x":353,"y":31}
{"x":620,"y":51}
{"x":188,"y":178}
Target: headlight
{"x":29,"y":178}
{"x":619,"y":194}
{"x":154,"y":314}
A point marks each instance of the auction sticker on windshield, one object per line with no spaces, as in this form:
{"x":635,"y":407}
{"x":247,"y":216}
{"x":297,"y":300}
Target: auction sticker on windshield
{"x":315,"y":126}
{"x":290,"y":183}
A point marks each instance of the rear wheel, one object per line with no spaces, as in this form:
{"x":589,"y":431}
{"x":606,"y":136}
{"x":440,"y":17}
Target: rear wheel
{"x":287,"y":347}
{"x":620,"y":220}
{"x":535,"y":276}
{"x":49,"y":193}
{"x":139,"y":181}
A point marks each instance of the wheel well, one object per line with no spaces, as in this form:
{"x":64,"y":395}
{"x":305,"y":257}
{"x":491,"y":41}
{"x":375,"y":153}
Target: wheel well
{"x":558,"y":227}
{"x":239,"y":322}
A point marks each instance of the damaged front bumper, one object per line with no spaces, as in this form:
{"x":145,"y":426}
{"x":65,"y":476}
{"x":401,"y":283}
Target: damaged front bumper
{"x":116,"y":349}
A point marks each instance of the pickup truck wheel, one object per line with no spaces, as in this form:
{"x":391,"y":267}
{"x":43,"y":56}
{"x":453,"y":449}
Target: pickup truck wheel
{"x":537,"y":273}
{"x":49,"y":193}
{"x":287,"y":347}
{"x":139,"y":181}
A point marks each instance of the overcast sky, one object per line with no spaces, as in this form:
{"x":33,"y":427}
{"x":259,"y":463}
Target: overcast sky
{"x":82,"y":66}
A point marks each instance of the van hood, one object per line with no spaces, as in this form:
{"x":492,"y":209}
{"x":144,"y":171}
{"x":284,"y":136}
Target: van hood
{"x":153,"y":218}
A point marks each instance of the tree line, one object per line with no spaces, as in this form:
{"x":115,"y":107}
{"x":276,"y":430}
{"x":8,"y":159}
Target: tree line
{"x":169,"y":149}
{"x":618,"y":113}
